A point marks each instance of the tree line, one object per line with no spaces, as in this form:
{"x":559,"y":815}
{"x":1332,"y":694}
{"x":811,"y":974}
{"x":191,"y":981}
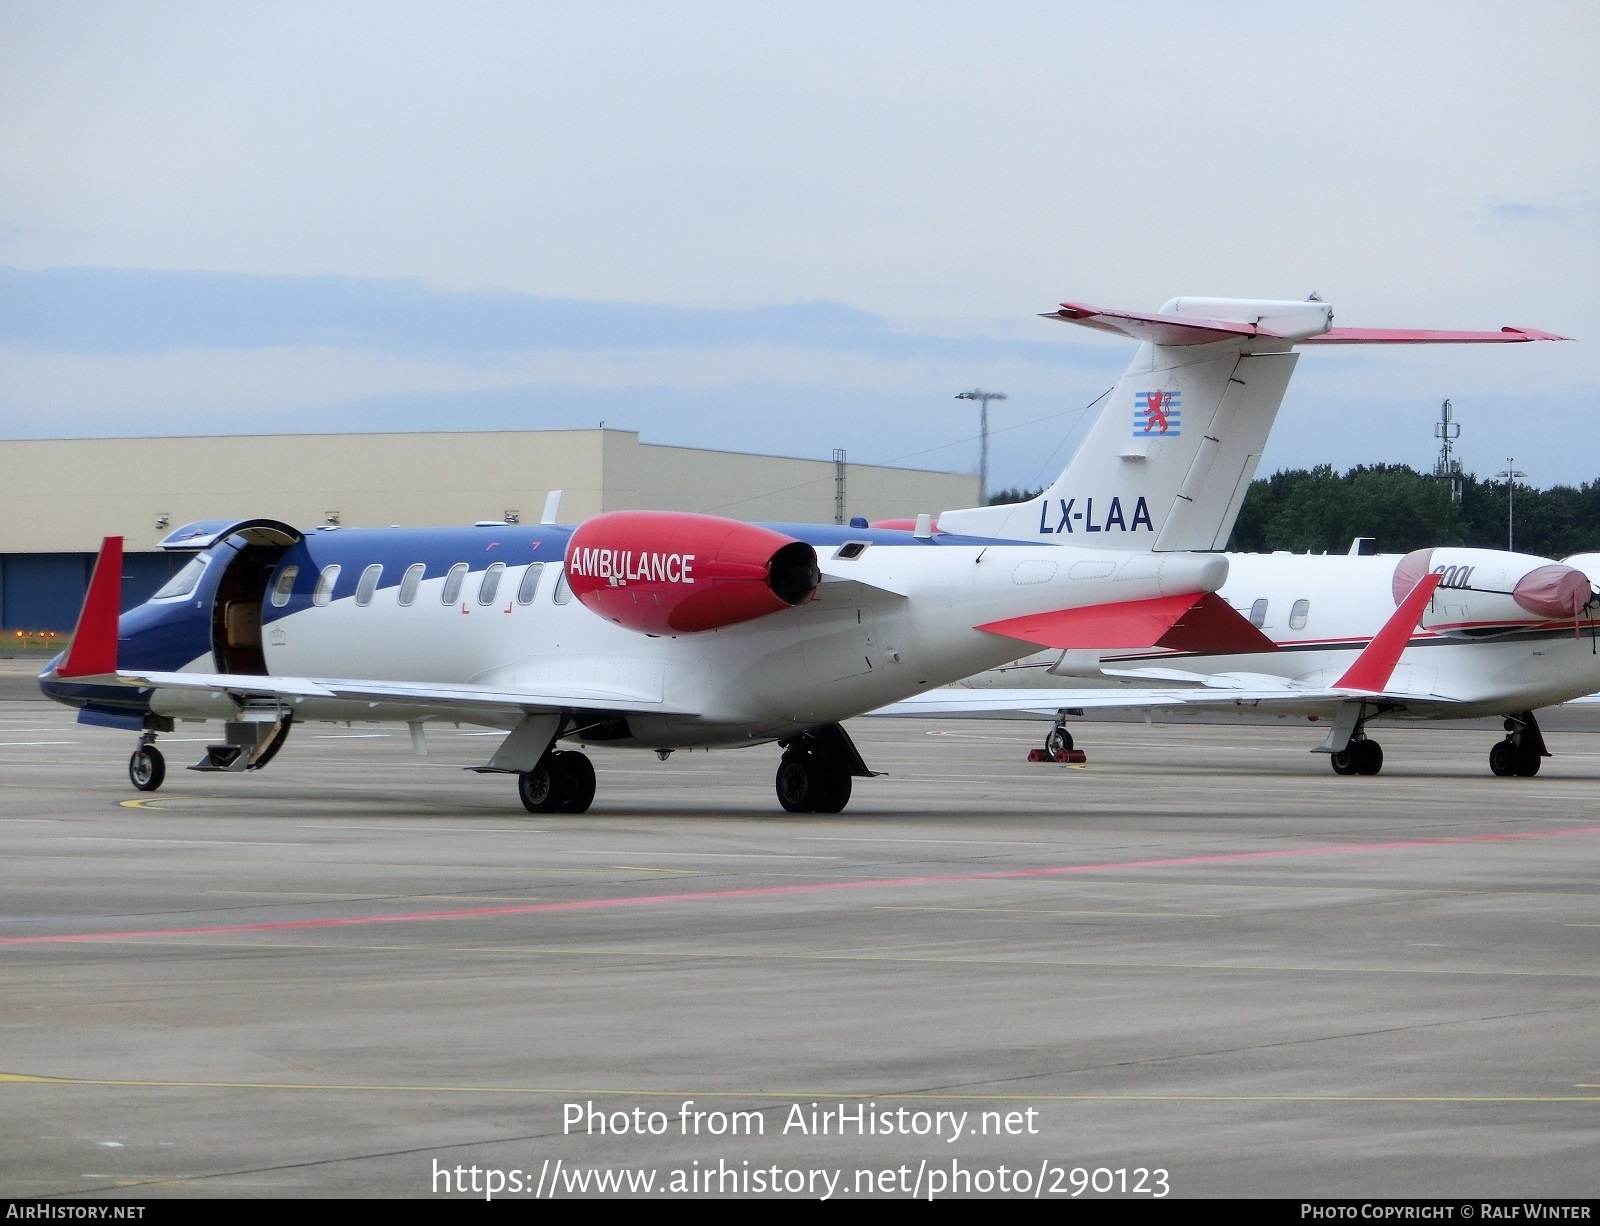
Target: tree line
{"x":1320,"y":510}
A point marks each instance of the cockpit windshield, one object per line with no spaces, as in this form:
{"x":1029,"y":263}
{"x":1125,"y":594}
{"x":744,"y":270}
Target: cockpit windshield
{"x":182,"y":583}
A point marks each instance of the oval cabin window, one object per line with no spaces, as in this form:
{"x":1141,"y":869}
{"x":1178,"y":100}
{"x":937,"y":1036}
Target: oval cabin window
{"x":452,"y":584}
{"x":530,"y":583}
{"x":1297,"y":614}
{"x":323,"y":592}
{"x":491,"y":583}
{"x":368,"y":584}
{"x":410,"y":582}
{"x":283,"y":586}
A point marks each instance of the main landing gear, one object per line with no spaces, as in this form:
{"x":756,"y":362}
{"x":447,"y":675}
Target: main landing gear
{"x":1522,"y":749}
{"x":1359,"y":757}
{"x":1058,"y":744}
{"x":810,"y":781}
{"x":815,"y":773}
{"x":562,"y":782}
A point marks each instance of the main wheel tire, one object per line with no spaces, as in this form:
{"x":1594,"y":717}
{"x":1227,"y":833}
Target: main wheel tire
{"x":577,"y":772}
{"x":1056,"y":741}
{"x":1370,"y":759}
{"x":836,"y":786}
{"x":147,"y":769}
{"x":1527,"y":762}
{"x":1344,"y":760}
{"x":797,"y":783}
{"x":540,"y":789}
{"x":1503,"y":758}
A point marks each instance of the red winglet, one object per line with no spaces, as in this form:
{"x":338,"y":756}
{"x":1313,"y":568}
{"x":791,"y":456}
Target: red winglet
{"x":1203,"y":622}
{"x":94,"y":643}
{"x":1375,"y":665}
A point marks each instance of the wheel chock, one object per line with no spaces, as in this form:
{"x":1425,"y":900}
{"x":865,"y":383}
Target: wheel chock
{"x":1064,"y":756}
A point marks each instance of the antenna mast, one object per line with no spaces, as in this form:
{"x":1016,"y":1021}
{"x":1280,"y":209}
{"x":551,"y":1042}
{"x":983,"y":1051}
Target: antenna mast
{"x":1448,"y":467}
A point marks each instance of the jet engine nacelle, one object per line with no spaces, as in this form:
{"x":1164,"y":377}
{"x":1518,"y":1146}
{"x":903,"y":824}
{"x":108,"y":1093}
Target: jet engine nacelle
{"x":1480,"y":587}
{"x":670,"y":572}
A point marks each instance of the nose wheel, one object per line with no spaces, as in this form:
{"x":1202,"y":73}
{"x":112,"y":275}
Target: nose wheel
{"x":147,"y":768}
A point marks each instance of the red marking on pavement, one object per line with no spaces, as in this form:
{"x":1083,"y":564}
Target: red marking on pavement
{"x":772,"y":891}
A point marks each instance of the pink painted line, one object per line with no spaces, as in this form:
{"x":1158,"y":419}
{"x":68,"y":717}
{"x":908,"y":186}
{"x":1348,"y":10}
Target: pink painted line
{"x":772,"y":891}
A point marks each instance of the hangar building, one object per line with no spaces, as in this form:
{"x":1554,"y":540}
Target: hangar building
{"x":59,"y":497}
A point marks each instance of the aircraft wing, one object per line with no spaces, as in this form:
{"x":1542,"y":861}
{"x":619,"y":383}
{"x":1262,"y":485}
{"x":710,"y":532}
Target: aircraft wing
{"x":1365,"y":681}
{"x":455,"y":696}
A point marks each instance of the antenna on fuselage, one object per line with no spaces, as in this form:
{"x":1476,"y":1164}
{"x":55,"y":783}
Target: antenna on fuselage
{"x":552,"y":505}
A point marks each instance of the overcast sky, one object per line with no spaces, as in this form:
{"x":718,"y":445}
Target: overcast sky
{"x":788,"y":227}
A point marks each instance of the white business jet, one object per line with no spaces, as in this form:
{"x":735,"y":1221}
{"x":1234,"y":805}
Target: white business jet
{"x":1169,"y":460}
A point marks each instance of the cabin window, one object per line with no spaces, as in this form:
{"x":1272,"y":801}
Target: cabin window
{"x":1258,"y":613}
{"x":452,"y":583}
{"x":491,"y":583}
{"x":530,"y":583}
{"x":850,"y":550}
{"x":283,"y":586}
{"x":182,"y":583}
{"x":410,"y":582}
{"x":563,"y":592}
{"x":368,"y":584}
{"x":1297,"y":614}
{"x":323,"y":592}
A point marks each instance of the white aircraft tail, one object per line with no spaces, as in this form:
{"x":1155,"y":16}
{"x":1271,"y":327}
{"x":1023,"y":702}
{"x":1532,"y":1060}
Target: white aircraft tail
{"x":1167,"y":463}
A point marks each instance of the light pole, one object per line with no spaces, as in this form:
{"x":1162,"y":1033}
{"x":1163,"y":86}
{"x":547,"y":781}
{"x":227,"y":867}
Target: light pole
{"x":983,"y":398}
{"x":1511,"y":474}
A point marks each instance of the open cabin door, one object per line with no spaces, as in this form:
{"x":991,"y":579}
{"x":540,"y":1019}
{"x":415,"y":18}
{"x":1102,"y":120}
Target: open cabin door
{"x":249,"y":551}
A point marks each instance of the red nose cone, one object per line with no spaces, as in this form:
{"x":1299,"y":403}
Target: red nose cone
{"x":1409,"y":572}
{"x":1552,"y":591}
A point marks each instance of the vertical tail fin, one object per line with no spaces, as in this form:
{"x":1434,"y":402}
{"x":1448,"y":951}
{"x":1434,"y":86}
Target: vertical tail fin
{"x":1170,"y":458}
{"x":1167,"y":463}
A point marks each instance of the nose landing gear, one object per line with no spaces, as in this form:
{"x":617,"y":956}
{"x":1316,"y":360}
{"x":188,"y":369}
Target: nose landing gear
{"x":147,"y":768}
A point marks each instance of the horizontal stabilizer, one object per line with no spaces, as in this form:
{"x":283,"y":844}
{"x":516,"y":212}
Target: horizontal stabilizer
{"x":1204,"y":321}
{"x":1428,"y":336}
{"x":1375,"y":665}
{"x":94,"y":641}
{"x":1204,"y":623}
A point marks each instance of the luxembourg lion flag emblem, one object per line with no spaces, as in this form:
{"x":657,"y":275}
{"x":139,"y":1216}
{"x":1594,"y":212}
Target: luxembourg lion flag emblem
{"x":1155,"y":413}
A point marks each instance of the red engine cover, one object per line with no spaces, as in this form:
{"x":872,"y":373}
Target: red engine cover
{"x":670,"y":572}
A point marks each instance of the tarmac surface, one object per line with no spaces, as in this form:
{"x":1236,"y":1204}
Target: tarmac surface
{"x":1201,"y":954}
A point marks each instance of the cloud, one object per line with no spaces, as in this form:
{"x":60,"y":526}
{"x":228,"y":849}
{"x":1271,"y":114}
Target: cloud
{"x":107,"y":311}
{"x":1551,"y":212}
